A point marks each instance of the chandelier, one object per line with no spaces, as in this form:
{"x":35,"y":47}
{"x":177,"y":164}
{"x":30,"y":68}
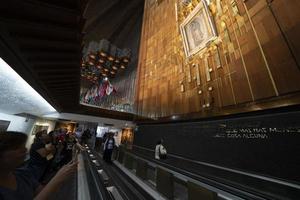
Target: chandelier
{"x":103,"y":59}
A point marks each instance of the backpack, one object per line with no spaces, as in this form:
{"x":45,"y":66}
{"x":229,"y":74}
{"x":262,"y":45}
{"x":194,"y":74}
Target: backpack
{"x":162,"y":153}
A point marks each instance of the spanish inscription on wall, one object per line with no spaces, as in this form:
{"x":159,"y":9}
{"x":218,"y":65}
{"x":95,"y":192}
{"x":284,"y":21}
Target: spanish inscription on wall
{"x":260,"y":133}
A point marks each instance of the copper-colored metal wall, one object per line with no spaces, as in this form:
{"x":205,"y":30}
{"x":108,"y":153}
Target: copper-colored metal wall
{"x":259,"y":54}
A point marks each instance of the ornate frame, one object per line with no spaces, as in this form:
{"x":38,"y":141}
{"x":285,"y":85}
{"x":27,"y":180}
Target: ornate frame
{"x":196,"y":40}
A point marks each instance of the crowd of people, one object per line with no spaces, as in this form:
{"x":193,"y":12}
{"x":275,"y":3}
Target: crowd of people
{"x":51,"y":163}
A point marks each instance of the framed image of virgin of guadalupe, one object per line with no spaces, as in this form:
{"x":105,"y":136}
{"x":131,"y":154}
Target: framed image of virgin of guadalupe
{"x":197,"y":29}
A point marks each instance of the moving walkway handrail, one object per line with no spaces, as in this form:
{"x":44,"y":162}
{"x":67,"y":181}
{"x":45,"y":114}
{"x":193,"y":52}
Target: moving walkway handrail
{"x":283,"y":187}
{"x":218,"y":187}
{"x":96,"y":187}
{"x":270,"y":179}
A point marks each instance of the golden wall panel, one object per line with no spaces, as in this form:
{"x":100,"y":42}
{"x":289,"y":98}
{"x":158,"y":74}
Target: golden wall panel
{"x":254,"y":58}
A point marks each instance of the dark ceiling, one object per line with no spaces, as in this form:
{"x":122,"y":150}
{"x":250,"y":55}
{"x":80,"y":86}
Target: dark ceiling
{"x":43,"y":40}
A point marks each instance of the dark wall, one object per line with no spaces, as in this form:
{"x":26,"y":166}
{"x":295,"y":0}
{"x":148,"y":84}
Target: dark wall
{"x":266,"y":144}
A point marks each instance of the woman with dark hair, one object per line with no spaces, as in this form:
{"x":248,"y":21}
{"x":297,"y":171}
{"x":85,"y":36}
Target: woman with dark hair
{"x":41,"y":152}
{"x":109,"y":147}
{"x":70,"y":144}
{"x":16,"y":183}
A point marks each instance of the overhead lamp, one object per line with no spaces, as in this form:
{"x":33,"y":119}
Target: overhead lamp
{"x":114,"y":67}
{"x":103,"y":54}
{"x":103,"y":57}
{"x":126,"y":60}
{"x":92,"y":56}
{"x":110,"y":58}
{"x":91,"y":63}
{"x":122,"y":66}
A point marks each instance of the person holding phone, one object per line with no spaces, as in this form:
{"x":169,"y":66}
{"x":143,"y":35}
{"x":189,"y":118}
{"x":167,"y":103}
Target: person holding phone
{"x":18,"y":183}
{"x":41,"y":154}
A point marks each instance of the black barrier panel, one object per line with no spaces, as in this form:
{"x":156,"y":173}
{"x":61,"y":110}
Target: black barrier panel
{"x":264,"y":144}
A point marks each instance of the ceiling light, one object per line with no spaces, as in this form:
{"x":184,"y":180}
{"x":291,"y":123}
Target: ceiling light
{"x":18,"y":96}
{"x":125,"y":60}
{"x":103,"y":54}
{"x":114,"y":67}
{"x":92,"y":56}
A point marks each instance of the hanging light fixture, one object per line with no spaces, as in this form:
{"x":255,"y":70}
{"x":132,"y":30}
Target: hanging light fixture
{"x":122,"y":66}
{"x":114,"y":67}
{"x":103,"y":59}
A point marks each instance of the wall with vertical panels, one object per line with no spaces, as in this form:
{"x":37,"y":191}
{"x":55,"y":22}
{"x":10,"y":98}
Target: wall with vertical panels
{"x":254,"y":63}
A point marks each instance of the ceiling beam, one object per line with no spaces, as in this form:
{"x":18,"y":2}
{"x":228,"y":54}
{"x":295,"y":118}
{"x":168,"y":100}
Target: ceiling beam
{"x":38,"y":11}
{"x":47,"y":56}
{"x":66,"y":64}
{"x":28,"y":42}
{"x":40,"y":29}
{"x":49,"y":81}
{"x":58,"y":76}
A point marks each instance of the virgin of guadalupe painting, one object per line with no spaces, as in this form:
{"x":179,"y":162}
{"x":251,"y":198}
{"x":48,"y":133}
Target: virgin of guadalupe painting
{"x":197,"y":29}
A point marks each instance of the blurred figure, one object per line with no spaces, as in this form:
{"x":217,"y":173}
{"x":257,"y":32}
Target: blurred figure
{"x":108,"y":147}
{"x":92,"y":140}
{"x":41,"y":153}
{"x":160,"y":150}
{"x":67,"y":150}
{"x":86,"y":135}
{"x":16,"y":183}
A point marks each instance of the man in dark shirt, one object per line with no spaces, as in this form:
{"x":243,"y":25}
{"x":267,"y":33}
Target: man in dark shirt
{"x":39,"y":155}
{"x":16,"y":184}
{"x":26,"y":187}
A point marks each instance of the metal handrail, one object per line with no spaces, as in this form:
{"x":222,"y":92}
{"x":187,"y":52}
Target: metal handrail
{"x":210,"y":184}
{"x":96,"y":186}
{"x":228,"y":186}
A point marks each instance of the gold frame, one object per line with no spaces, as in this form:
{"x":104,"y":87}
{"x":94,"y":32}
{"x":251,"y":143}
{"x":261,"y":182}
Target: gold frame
{"x":200,"y":15}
